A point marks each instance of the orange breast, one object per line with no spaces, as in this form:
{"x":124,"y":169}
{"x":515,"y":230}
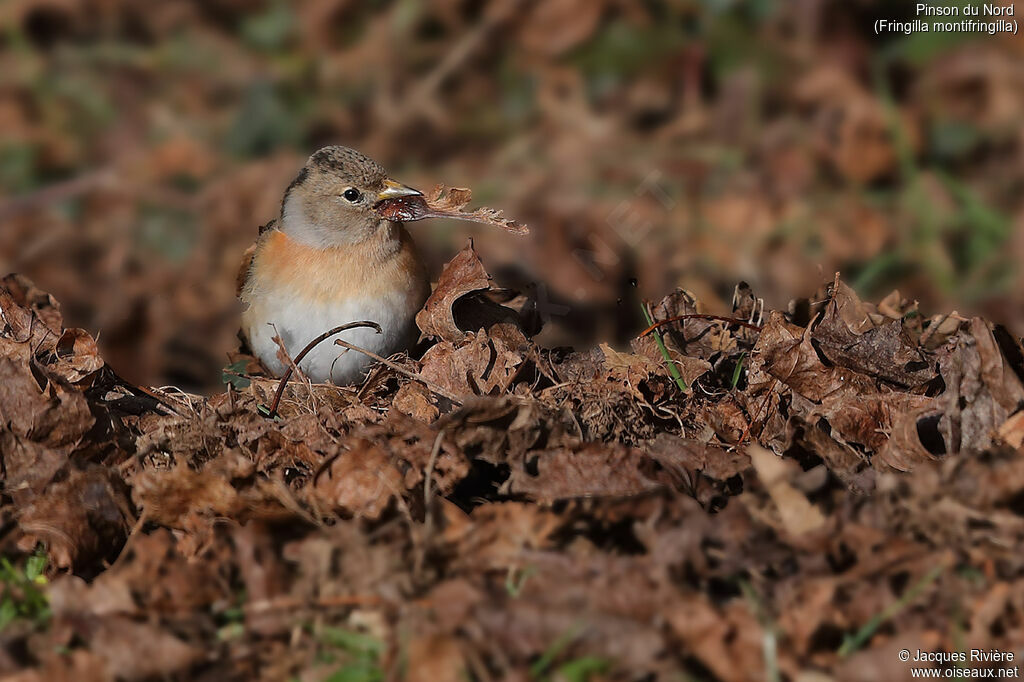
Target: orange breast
{"x":370,"y":269}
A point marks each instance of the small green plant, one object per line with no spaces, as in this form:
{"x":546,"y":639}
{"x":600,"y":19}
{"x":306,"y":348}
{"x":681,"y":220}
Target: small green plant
{"x":769,"y":641}
{"x":270,"y":30}
{"x":580,"y":669}
{"x":234,"y":374}
{"x":575,"y":670}
{"x":358,"y":653}
{"x":21,"y":597}
{"x":515,"y":580}
{"x":961,"y":248}
{"x":231,"y":620}
{"x":852,"y":643}
{"x":738,"y":371}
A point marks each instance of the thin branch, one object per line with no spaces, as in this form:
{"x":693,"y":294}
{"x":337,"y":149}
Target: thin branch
{"x":430,"y":468}
{"x":51,"y":194}
{"x":305,"y":351}
{"x":757,"y":416}
{"x":428,"y":522}
{"x":129,"y":541}
{"x":698,"y":316}
{"x":422,"y":98}
{"x":443,"y":392}
{"x":933,"y":326}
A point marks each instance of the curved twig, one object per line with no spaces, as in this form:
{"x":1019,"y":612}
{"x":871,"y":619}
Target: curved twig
{"x":440,"y":390}
{"x":309,"y":346}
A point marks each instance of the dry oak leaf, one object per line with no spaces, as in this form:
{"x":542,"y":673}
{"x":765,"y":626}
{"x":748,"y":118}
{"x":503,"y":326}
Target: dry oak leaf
{"x":435,"y":657}
{"x":690,"y":368}
{"x":460,"y":302}
{"x":413,"y":399}
{"x":497,"y":534}
{"x":585,"y":470}
{"x":442,"y":203}
{"x":361,"y":481}
{"x":982,"y":390}
{"x":80,"y":518}
{"x":699,"y":469}
{"x":483,"y":365}
{"x":108,"y":594}
{"x":854,"y":404}
{"x":858,"y":413}
{"x":164,"y":576}
{"x":171,"y":496}
{"x":138,"y":650}
{"x":28,"y":314}
{"x":55,"y":419}
{"x":78,"y":356}
{"x":798,"y":516}
{"x":462,"y":275}
{"x":1012,"y":431}
{"x":690,"y":338}
{"x":726,"y":638}
{"x":849,"y":337}
{"x":626,"y":367}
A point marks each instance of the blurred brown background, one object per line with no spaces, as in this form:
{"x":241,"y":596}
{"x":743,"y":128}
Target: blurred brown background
{"x":664,"y":144}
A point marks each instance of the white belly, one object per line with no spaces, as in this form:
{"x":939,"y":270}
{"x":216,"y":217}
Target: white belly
{"x":297,"y":325}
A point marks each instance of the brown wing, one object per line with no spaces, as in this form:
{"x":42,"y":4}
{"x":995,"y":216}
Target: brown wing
{"x":243,"y":270}
{"x":243,"y":267}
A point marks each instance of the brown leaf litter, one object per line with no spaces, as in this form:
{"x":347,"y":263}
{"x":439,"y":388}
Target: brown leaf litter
{"x":576,"y":506}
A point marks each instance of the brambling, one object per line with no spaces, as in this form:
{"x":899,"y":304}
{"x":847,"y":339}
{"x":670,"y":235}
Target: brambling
{"x":332,"y":258}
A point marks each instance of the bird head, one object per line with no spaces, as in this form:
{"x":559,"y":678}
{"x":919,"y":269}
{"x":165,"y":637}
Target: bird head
{"x":331,"y":202}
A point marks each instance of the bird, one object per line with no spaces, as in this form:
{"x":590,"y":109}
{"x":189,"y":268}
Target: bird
{"x":331,"y":258}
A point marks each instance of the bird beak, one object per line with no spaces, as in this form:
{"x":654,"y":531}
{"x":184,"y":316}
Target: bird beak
{"x":394,"y":189}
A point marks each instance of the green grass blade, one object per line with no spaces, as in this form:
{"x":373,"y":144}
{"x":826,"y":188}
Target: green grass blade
{"x":856,"y":641}
{"x":672,"y":368}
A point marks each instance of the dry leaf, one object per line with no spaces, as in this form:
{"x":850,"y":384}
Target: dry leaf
{"x":797,"y":514}
{"x":442,"y":203}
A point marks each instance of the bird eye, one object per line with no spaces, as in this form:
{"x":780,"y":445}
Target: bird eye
{"x":352,"y":194}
